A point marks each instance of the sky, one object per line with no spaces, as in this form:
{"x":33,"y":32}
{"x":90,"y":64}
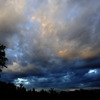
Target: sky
{"x":51,"y":43}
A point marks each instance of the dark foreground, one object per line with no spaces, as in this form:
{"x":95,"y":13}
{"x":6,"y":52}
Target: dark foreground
{"x":11,"y":92}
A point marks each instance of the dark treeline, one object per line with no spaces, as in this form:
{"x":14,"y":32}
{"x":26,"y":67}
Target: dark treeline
{"x":10,"y":91}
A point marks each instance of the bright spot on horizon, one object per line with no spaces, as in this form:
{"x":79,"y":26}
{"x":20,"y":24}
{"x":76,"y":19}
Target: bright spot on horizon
{"x":18,"y":85}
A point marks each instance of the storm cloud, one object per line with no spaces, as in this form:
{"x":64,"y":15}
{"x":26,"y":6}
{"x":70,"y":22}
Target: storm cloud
{"x":54,"y":42}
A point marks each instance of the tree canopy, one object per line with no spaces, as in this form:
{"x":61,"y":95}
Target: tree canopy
{"x":3,"y":58}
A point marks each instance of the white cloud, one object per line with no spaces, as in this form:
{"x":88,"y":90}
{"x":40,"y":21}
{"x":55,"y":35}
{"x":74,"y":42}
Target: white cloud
{"x":21,"y":81}
{"x":91,"y":71}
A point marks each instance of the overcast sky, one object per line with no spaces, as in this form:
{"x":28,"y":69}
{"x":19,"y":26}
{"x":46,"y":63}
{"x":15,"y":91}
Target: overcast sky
{"x":51,"y":43}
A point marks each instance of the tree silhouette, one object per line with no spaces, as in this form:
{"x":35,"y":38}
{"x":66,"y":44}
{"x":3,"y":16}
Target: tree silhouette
{"x":3,"y":59}
{"x":52,"y":91}
{"x":10,"y":91}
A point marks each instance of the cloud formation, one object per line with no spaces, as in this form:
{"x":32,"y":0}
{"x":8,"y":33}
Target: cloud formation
{"x":51,"y":41}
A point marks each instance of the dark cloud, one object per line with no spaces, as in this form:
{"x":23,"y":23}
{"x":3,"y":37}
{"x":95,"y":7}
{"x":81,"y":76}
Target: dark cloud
{"x":62,"y":80}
